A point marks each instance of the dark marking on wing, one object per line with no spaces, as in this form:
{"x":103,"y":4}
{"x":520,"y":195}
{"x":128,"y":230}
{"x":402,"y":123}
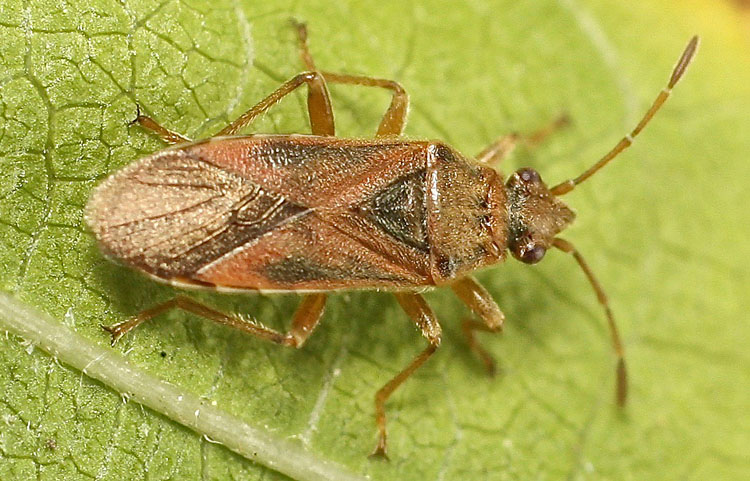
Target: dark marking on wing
{"x":399,"y":210}
{"x":297,"y":269}
{"x":280,"y":151}
{"x":255,"y":217}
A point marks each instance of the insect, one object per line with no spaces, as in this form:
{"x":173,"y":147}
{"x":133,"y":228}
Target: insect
{"x":316,"y":213}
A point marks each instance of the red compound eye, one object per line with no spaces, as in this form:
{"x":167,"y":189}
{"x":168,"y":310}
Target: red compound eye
{"x":528,"y":175}
{"x":533,"y":254}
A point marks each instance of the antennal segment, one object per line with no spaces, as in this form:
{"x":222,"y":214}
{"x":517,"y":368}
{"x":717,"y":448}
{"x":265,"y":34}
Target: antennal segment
{"x":621,"y":392}
{"x":627,"y":141}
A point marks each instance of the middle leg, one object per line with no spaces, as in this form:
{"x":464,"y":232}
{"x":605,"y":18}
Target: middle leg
{"x":417,"y":309}
{"x":393,"y":120}
{"x":318,"y":105}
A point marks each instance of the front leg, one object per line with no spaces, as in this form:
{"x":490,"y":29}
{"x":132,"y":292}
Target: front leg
{"x":483,"y":306}
{"x":501,"y":148}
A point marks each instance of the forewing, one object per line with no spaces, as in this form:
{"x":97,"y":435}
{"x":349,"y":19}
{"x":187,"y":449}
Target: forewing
{"x":311,"y":253}
{"x":366,"y":225}
{"x":271,"y":212}
{"x":171,"y":213}
{"x":319,"y":172}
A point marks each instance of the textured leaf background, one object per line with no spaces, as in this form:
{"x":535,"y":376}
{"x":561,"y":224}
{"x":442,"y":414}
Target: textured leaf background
{"x":665,"y":227}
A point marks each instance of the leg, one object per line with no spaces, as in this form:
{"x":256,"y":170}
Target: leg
{"x":501,"y":148}
{"x":536,"y":138}
{"x":483,"y":306}
{"x":494,"y":153}
{"x":165,"y":134}
{"x":468,"y":327}
{"x":418,"y":310}
{"x":622,"y":377}
{"x":318,"y":100}
{"x":395,"y":117}
{"x":318,"y":105}
{"x":304,"y":322}
{"x":304,"y":51}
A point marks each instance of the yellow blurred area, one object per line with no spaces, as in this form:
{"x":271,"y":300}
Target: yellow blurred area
{"x":726,"y":19}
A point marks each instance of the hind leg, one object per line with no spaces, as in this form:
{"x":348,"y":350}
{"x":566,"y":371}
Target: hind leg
{"x":304,"y":322}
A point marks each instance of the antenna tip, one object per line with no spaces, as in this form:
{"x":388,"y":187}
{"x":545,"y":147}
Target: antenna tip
{"x":695,"y":43}
{"x":685,"y":59}
{"x":622,"y":383}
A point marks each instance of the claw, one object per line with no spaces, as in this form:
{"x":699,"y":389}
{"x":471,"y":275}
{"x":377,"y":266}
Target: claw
{"x":379,"y":452}
{"x":115,"y":332}
{"x":301,"y":28}
{"x":137,"y":115}
{"x":490,"y":365}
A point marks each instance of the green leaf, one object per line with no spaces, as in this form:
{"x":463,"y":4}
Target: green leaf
{"x":663,"y":227}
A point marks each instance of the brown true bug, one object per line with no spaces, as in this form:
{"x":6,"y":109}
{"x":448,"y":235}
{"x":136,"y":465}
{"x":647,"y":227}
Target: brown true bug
{"x":315,"y":213}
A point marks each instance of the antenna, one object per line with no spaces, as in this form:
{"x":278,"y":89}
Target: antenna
{"x":627,"y":141}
